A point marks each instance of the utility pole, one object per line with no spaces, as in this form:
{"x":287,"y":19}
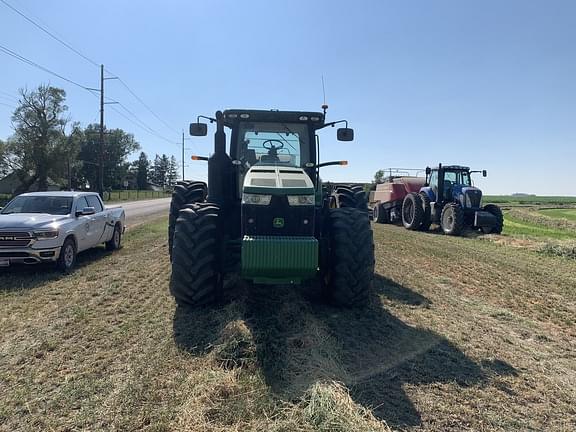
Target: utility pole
{"x":101,"y":143}
{"x":101,"y":149}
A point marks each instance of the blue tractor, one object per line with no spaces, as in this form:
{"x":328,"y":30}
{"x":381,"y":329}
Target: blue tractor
{"x":449,"y":199}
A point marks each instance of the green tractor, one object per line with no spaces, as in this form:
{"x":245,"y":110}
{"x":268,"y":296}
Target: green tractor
{"x":266,"y":217}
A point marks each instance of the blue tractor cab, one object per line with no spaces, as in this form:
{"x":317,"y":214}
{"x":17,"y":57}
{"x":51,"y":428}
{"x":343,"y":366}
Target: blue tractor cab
{"x":450,"y":200}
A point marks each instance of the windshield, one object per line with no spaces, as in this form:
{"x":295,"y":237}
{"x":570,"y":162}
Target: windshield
{"x":270,"y":143}
{"x":458,"y":177}
{"x":53,"y":205}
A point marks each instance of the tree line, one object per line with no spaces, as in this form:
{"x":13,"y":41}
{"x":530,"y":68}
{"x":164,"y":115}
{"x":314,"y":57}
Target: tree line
{"x":46,"y":147}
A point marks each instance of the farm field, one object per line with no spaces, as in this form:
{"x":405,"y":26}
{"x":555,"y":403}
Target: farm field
{"x":562,"y":213}
{"x":462,"y":334}
{"x":529,"y":200}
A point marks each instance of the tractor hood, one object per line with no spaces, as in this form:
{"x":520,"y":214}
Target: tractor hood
{"x":276,"y":180}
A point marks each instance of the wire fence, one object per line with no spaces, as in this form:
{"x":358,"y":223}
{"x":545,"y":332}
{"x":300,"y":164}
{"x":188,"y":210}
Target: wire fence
{"x":134,"y":195}
{"x":115,"y":195}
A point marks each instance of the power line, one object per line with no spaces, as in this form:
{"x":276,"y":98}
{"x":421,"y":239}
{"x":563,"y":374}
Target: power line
{"x":71,"y":48}
{"x":36,"y":65}
{"x":9,"y":96}
{"x":30,"y":20}
{"x":9,"y":106}
{"x":144,"y":104}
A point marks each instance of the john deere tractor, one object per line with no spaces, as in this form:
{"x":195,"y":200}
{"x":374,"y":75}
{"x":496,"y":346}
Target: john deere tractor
{"x":449,"y":199}
{"x":265,"y":216}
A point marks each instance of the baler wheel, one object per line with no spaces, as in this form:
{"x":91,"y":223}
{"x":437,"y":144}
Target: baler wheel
{"x":452,"y":219}
{"x":380,"y":214}
{"x":351,"y":271}
{"x":426,"y":217}
{"x":412,"y":211}
{"x":185,"y":192}
{"x":196,"y":276}
{"x":497,"y":212}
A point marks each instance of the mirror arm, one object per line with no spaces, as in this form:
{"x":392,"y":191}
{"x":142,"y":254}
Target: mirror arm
{"x":212,"y":120}
{"x":334,"y":124}
{"x":331,"y":163}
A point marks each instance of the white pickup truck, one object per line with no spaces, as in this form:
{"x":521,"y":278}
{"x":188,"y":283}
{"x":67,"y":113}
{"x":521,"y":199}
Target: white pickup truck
{"x":55,"y":226}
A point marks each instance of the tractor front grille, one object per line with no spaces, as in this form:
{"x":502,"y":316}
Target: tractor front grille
{"x":473,"y":198}
{"x":11,"y":239}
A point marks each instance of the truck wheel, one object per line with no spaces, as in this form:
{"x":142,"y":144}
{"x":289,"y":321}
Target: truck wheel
{"x":412,"y":211}
{"x":67,"y":258}
{"x":497,"y":212}
{"x":185,"y":192}
{"x":351,"y":260}
{"x":196,"y":279}
{"x":427,"y":216}
{"x":380,"y":214}
{"x":452,"y":219}
{"x":116,"y":240}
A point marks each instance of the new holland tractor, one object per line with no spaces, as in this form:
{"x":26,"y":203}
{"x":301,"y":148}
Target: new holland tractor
{"x":445,"y":197}
{"x":265,"y":216}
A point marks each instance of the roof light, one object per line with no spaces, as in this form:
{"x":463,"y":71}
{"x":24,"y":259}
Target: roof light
{"x":303,"y":118}
{"x":244,"y":116}
{"x":232,"y":116}
{"x":315,"y":118}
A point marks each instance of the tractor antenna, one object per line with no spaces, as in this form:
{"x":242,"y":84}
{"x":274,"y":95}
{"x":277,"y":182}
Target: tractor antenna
{"x":324,"y":106}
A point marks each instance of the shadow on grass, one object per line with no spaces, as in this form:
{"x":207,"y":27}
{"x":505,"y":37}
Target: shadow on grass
{"x":299,"y":343}
{"x":23,"y":276}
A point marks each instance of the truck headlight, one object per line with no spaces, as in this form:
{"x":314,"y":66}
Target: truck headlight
{"x":256,"y":199}
{"x":46,"y":234}
{"x":298,"y":200}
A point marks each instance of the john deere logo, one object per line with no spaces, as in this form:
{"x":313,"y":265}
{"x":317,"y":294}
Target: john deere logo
{"x":278,"y":222}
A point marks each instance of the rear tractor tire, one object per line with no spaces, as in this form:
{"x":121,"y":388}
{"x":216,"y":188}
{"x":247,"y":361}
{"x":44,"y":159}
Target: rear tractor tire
{"x":497,"y":212}
{"x":412,"y":211}
{"x":185,"y":192}
{"x":196,"y":259}
{"x":350,"y":196}
{"x":452,"y":219}
{"x":351,"y":271}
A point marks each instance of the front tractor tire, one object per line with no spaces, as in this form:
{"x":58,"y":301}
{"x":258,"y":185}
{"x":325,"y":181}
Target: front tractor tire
{"x":497,"y":212}
{"x":196,"y":259}
{"x":351,"y":271}
{"x":412,"y":211}
{"x":185,"y":192}
{"x":452,"y":219}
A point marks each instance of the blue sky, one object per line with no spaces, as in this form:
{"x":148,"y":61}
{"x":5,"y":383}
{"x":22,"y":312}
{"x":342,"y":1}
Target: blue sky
{"x":489,"y":84}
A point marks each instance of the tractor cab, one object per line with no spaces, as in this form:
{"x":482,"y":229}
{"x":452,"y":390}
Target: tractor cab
{"x":452,"y":183}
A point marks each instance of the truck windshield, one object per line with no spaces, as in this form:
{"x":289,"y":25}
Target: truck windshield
{"x":53,"y":205}
{"x":269,"y":143}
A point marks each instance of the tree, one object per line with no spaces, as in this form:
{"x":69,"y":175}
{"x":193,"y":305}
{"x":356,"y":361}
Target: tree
{"x":118,"y":145}
{"x":39,"y":128}
{"x":160,"y":170}
{"x":172,"y":175}
{"x":379,"y":177}
{"x":142,"y":167}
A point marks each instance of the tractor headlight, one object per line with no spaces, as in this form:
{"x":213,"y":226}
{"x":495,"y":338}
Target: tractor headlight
{"x":46,"y":234}
{"x":256,"y":199}
{"x":298,"y":200}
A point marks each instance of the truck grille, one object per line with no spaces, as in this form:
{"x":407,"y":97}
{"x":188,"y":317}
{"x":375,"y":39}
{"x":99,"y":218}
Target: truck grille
{"x":473,"y":198}
{"x":14,"y":239}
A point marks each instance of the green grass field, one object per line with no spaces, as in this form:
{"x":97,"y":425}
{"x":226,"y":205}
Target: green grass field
{"x":529,"y":200}
{"x":517,"y":227}
{"x":560,"y":213}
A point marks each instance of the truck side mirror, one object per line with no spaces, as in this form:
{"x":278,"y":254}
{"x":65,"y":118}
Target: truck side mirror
{"x":345,"y":134}
{"x":428,"y":171}
{"x":86,"y":211}
{"x":484,"y":173}
{"x":198,"y":129}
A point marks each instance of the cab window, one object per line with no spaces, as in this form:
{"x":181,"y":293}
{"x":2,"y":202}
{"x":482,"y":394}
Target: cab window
{"x":93,"y":201}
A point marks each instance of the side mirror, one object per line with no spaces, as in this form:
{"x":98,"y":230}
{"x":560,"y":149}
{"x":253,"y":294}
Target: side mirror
{"x":345,"y":134}
{"x":198,"y":129}
{"x":484,"y":173}
{"x":86,"y":211}
{"x":428,"y":171}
